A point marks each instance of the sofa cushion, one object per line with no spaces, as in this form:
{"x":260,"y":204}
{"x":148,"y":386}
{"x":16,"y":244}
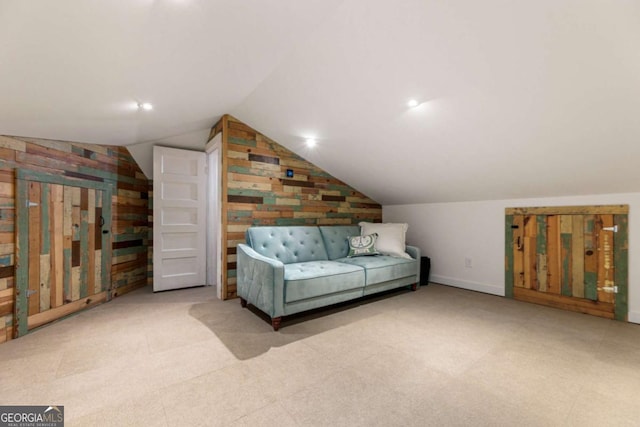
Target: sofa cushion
{"x":305,"y":280}
{"x":288,"y":244}
{"x":382,"y":268}
{"x":335,"y":239}
{"x":391,"y":237}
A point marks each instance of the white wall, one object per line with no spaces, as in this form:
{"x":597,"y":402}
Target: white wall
{"x":450,"y":232}
{"x":143,"y":152}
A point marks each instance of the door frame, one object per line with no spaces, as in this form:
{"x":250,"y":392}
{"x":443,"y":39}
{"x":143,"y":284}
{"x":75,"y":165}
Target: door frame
{"x":214,"y":214}
{"x":23,"y":177}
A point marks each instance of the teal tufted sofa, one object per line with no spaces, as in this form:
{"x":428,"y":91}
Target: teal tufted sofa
{"x":286,"y":270}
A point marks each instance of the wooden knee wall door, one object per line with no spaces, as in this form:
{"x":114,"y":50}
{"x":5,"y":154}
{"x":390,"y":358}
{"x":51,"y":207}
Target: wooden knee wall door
{"x":569,"y":257}
{"x":63,"y":247}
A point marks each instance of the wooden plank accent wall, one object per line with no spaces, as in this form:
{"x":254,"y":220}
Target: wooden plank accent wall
{"x":256,"y":191}
{"x":130,"y":208}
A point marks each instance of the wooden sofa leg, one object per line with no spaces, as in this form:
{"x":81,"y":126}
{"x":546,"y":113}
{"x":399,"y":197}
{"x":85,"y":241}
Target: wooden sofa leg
{"x":275,"y":322}
{"x":414,"y":287}
{"x":243,"y":302}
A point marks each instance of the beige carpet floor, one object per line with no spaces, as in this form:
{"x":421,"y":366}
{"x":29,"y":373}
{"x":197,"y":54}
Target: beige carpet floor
{"x":440,"y":356}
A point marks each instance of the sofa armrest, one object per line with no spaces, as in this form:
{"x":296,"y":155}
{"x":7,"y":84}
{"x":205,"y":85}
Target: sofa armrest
{"x":415,"y":254}
{"x":413,"y":251}
{"x":260,"y":281}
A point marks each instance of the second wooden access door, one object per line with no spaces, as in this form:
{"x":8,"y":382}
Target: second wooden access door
{"x":573,"y":257}
{"x":63,"y":252}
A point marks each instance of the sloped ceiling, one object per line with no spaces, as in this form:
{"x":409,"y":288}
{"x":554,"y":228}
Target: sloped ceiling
{"x":517,"y":99}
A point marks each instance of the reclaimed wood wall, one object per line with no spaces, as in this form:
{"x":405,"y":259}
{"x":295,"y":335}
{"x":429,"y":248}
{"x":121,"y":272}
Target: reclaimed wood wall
{"x":130,"y":208}
{"x":256,"y":191}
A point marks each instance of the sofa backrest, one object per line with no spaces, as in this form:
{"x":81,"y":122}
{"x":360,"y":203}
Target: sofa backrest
{"x":335,"y":239}
{"x":288,"y":244}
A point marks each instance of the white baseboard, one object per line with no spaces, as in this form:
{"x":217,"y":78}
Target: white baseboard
{"x":465,"y":284}
{"x":634,"y":316}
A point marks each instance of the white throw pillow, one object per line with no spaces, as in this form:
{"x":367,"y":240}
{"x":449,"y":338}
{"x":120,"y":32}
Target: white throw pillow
{"x":391,"y":237}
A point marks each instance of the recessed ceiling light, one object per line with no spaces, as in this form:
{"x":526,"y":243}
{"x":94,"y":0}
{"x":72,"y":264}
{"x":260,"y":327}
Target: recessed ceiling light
{"x":147,"y":106}
{"x":412,"y":103}
{"x":311,"y":142}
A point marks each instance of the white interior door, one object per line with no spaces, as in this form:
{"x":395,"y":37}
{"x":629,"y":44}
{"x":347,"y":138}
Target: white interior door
{"x":179,"y":218}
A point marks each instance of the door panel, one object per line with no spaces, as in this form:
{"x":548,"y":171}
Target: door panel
{"x":34,"y":247}
{"x":530,"y":243}
{"x":61,"y":232}
{"x":577,"y":256}
{"x":553,"y":254}
{"x":566,"y":245}
{"x":57,"y":245}
{"x":605,"y":259}
{"x":179,"y":234}
{"x":575,"y":261}
{"x":519,"y":257}
{"x":541,"y":253}
{"x":590,"y":258}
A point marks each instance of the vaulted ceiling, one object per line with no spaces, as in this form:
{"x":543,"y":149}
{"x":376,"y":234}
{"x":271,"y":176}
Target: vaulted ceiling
{"x":516,"y":98}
